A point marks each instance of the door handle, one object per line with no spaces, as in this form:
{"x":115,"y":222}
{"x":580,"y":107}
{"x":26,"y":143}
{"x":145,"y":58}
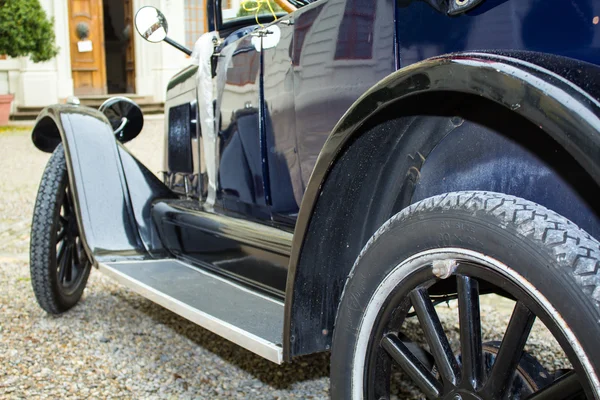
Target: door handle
{"x":261,"y":32}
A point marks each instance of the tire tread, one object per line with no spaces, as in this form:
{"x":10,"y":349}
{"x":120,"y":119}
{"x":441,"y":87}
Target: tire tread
{"x":43,"y":281}
{"x":573,"y":248}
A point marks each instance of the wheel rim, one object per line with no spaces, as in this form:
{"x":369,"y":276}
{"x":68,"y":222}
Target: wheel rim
{"x":463,"y":377}
{"x":71,"y":259}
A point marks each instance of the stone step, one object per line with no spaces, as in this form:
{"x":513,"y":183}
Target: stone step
{"x":96,"y":101}
{"x":148,"y":107}
{"x":132,"y":96}
{"x":24,"y":116}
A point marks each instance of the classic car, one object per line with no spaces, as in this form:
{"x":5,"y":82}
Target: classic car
{"x":336,"y":168}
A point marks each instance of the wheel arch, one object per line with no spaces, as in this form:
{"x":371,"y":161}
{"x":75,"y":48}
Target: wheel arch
{"x":520,"y":84}
{"x":112,"y":190}
{"x":46,"y":134}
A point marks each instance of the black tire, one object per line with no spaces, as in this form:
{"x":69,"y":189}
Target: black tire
{"x":544,"y":261}
{"x":59,"y":266}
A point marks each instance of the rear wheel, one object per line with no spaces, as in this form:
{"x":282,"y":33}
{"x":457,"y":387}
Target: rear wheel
{"x":59,"y":265}
{"x":463,"y":245}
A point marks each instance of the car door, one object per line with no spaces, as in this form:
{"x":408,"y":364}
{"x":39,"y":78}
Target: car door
{"x":256,"y":121}
{"x":284,"y":181}
{"x":240,"y":167}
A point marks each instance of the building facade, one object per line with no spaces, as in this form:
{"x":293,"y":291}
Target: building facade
{"x":101,"y":54}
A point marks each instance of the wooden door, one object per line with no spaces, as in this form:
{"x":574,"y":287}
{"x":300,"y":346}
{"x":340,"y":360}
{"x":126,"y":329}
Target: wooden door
{"x":88,"y":65}
{"x":130,"y":50}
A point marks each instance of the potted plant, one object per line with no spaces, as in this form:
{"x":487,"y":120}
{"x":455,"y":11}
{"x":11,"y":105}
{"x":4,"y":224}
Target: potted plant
{"x":25,"y":30}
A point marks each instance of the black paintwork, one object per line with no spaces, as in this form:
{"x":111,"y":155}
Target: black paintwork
{"x":245,"y":251}
{"x":143,"y":188}
{"x":178,"y":46}
{"x":570,"y":115}
{"x":118,"y":108}
{"x":112,"y":190}
{"x":562,"y":110}
{"x":530,"y":166}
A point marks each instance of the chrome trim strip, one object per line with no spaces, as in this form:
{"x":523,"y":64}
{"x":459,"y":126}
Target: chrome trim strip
{"x":249,"y":341}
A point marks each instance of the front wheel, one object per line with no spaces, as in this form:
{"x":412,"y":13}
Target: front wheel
{"x":461,"y":246}
{"x":59,"y":265}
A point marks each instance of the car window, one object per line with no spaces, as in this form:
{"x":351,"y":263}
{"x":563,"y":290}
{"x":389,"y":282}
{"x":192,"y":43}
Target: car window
{"x":242,"y":9}
{"x":233,"y":9}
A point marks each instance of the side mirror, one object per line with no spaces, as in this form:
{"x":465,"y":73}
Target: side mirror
{"x":151,"y":24}
{"x":125,"y":117}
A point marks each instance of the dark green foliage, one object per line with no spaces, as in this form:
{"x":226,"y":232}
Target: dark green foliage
{"x":26,"y":30}
{"x":250,"y":5}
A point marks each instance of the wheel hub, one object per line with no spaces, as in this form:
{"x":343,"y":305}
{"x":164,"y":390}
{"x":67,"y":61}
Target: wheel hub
{"x":529,"y":376}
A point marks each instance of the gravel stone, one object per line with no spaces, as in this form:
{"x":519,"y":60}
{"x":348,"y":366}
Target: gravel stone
{"x":117,"y":344}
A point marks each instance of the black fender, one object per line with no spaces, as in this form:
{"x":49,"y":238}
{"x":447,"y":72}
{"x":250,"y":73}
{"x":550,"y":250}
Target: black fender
{"x":112,"y":190}
{"x":553,"y":93}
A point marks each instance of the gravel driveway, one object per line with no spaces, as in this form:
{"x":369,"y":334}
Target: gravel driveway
{"x":115,"y":343}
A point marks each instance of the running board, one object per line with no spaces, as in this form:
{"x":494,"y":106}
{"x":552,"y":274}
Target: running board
{"x":248,"y":319}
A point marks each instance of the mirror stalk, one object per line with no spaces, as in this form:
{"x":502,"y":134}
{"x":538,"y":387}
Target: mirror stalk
{"x":152,"y":25}
{"x":124,"y":122}
{"x":178,"y":46}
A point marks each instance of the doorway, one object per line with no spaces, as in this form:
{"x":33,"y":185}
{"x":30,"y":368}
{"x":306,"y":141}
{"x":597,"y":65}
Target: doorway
{"x":102,"y":48}
{"x":118,"y":44}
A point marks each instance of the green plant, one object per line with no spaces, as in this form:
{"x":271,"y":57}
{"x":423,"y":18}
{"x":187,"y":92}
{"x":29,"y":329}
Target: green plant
{"x":248,"y":8}
{"x":25,"y":29}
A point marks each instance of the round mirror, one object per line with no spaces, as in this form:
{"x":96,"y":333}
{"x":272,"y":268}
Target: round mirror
{"x":151,"y":24}
{"x":125,"y":117}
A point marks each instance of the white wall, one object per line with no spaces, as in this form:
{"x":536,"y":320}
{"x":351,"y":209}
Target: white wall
{"x":42,"y":84}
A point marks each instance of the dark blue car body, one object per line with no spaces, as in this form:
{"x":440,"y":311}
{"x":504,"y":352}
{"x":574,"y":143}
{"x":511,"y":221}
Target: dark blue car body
{"x":335,"y":51}
{"x":357,"y":109}
{"x":283,"y":110}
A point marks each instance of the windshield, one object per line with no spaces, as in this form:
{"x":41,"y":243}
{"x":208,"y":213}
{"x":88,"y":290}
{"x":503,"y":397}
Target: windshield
{"x":233,"y":9}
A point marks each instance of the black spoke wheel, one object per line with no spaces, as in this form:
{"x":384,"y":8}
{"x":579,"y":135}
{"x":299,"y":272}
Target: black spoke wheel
{"x":463,"y":246}
{"x":59,"y":264}
{"x":466,"y":375}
